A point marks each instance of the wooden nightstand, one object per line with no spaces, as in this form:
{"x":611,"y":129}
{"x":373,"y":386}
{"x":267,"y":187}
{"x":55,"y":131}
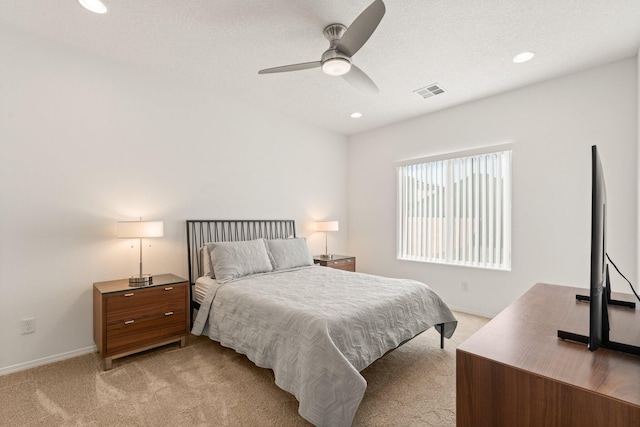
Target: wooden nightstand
{"x":341,"y":262}
{"x":127,"y":319}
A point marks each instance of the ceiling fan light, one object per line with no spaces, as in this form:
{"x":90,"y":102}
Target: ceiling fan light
{"x":336,"y":66}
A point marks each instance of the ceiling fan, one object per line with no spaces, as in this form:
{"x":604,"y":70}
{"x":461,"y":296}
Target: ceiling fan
{"x":343,"y":44}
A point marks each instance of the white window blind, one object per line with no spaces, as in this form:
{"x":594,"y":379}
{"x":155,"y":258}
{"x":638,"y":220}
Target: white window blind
{"x":456,"y":210}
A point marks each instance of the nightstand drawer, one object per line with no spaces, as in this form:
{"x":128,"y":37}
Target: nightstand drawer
{"x":133,"y":334}
{"x":340,"y":262}
{"x":139,"y":303}
{"x":343,"y":264}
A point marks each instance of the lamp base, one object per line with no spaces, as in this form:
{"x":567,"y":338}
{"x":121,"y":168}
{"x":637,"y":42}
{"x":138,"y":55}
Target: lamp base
{"x":138,"y":281}
{"x":326,"y":256}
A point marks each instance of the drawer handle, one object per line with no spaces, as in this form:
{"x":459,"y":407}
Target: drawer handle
{"x":168,"y":289}
{"x":168,"y":313}
{"x":348,"y":260}
{"x":128,"y":322}
{"x":129,"y":295}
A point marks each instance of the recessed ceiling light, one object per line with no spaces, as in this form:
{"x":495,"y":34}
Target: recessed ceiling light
{"x":523,"y":57}
{"x":95,"y":6}
{"x":356,"y":115}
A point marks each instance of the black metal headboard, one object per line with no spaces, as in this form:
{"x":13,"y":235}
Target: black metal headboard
{"x":203,"y":231}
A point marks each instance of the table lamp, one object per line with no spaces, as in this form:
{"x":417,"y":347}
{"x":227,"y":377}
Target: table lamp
{"x":326,"y":226}
{"x":140,"y":230}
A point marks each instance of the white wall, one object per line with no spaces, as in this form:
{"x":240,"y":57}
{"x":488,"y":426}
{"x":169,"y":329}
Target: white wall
{"x":87,"y":142}
{"x":552,"y":125}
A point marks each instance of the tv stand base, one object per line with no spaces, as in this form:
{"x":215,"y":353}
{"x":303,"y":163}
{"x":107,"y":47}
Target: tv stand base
{"x":629,"y":304}
{"x":611,"y":345}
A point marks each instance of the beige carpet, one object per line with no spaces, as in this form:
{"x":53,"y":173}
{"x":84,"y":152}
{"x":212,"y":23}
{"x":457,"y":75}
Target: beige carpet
{"x":205,"y":384}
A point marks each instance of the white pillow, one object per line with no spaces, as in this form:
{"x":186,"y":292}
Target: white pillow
{"x":205,"y":260}
{"x":232,"y":260}
{"x":289,"y":253}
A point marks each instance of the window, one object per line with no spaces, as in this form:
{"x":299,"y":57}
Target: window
{"x":457,"y":210}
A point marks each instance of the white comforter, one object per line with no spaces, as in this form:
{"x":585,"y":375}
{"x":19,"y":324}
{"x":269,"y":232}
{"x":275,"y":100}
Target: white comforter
{"x":317,"y":327}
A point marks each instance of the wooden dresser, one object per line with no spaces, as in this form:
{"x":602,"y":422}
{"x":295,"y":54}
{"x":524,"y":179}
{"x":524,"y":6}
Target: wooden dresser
{"x":127,"y":319}
{"x":515,"y":371}
{"x":341,"y":262}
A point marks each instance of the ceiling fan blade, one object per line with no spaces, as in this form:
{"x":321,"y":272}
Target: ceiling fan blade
{"x":293,"y":67}
{"x":361,"y":29}
{"x":358,"y":79}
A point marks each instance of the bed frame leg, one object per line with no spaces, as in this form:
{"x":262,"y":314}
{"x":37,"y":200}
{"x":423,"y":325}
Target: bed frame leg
{"x":190,"y":316}
{"x":441,"y":325}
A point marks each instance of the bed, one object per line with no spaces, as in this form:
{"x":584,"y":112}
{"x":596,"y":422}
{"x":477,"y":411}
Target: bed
{"x":315,"y":327}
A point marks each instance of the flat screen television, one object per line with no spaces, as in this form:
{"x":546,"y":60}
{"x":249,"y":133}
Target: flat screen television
{"x":599,"y":296}
{"x":598,"y":314}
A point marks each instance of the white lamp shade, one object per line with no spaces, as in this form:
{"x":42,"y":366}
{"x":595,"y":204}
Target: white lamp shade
{"x":140,"y":229}
{"x":327,"y":226}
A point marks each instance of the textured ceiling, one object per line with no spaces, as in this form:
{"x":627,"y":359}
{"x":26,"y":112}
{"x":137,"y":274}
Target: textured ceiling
{"x":465,"y":46}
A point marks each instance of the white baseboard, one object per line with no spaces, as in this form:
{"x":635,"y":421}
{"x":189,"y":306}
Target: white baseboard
{"x":48,"y":359}
{"x":475,"y":313}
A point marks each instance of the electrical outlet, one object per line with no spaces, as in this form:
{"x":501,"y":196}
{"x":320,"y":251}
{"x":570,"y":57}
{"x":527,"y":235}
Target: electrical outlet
{"x":464,"y":286}
{"x":28,"y":325}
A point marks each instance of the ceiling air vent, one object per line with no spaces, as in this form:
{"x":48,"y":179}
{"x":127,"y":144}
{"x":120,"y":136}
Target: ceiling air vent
{"x":429,"y":91}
